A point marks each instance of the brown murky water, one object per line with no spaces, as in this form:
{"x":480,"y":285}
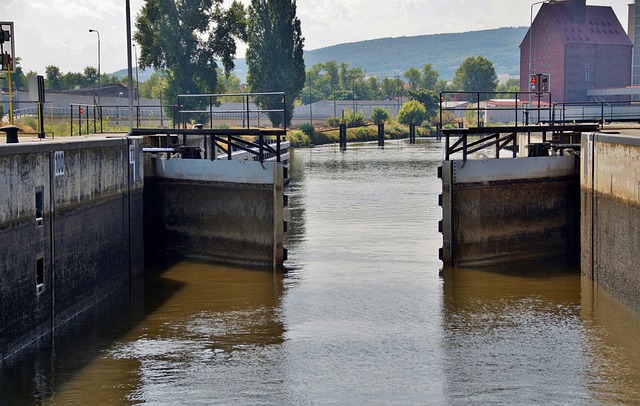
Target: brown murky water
{"x":362,"y":317}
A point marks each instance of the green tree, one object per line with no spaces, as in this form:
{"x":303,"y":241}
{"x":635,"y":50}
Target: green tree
{"x":429,"y":78}
{"x":412,"y":112}
{"x":52,"y":75}
{"x":18,"y":79}
{"x":428,"y":98}
{"x":388,"y":87}
{"x":511,"y":85}
{"x":414,"y":76}
{"x":153,"y":88}
{"x":476,"y":75}
{"x":379,"y":115}
{"x":91,"y":76}
{"x":275,"y":55}
{"x":186,"y":39}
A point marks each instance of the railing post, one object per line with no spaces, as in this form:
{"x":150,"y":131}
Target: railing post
{"x":229,"y":147}
{"x":447,"y":145}
{"x":261,"y":148}
{"x":278,"y":147}
{"x":464,"y":146}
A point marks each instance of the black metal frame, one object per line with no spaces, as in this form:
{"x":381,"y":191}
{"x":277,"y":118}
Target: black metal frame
{"x":496,"y":136}
{"x":228,"y":139}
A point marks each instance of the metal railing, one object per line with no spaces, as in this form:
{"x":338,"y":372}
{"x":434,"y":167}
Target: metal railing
{"x":597,"y":112}
{"x":194,"y":107}
{"x":91,"y":118}
{"x":495,"y":108}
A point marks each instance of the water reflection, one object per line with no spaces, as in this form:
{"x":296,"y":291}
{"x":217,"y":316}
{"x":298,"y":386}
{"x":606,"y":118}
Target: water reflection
{"x":528,"y":333}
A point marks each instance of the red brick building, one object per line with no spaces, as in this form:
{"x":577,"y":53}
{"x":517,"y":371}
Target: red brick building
{"x":580,"y":47}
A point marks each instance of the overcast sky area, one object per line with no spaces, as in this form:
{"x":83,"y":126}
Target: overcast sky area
{"x":56,"y":32}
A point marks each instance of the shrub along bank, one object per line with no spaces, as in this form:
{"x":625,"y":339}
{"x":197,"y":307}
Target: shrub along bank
{"x":307,"y":135}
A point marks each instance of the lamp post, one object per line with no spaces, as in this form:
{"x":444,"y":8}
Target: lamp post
{"x":531,"y":43}
{"x":135,"y":50}
{"x":96,"y":31}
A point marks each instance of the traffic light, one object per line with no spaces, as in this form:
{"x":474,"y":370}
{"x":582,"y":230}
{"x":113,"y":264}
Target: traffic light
{"x":6,"y":62}
{"x":4,"y":36}
{"x":544,"y":83}
{"x":534,"y":83}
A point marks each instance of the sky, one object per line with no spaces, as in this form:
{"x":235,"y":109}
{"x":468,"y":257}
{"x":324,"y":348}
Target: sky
{"x":56,"y":32}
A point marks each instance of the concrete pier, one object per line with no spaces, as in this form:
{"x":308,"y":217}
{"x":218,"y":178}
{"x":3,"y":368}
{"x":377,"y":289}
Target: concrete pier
{"x":228,"y":211}
{"x":503,"y":210}
{"x":71,"y":230}
{"x":610,"y":219}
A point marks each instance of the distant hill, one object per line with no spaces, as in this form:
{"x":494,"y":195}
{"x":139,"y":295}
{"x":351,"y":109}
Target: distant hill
{"x":393,"y":56}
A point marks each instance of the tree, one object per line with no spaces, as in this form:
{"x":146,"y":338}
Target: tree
{"x":413,"y":75}
{"x":475,"y":75}
{"x":52,"y":74}
{"x":91,"y":76}
{"x":153,"y":88}
{"x":511,"y":85}
{"x":186,"y":39}
{"x":412,"y":112}
{"x":429,"y":78}
{"x":379,"y":115}
{"x":275,"y":55}
{"x":428,"y":98}
{"x":389,"y":87}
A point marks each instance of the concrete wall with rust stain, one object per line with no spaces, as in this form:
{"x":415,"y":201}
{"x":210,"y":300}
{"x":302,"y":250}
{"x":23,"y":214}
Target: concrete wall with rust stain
{"x":610,"y":220}
{"x":71,"y":230}
{"x":503,"y":210}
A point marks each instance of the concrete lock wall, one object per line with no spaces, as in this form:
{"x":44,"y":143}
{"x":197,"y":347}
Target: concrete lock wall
{"x":71,"y":230}
{"x":610,"y":220}
{"x":229,"y":211}
{"x":502,"y":210}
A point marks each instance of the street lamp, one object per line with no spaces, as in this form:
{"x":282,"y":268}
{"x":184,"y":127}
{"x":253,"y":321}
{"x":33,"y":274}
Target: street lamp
{"x":96,"y":31}
{"x":531,"y":43}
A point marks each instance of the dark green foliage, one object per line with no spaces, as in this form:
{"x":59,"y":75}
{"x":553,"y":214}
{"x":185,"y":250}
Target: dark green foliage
{"x":307,"y":128}
{"x":333,"y":122}
{"x":428,"y":98}
{"x":275,"y":55}
{"x":353,"y":118}
{"x":186,"y":39}
{"x":475,"y":75}
{"x":379,"y":115}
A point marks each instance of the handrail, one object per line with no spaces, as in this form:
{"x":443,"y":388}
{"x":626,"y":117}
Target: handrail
{"x":211,"y":102}
{"x":597,"y":111}
{"x":475,"y":100}
{"x":90,"y":118}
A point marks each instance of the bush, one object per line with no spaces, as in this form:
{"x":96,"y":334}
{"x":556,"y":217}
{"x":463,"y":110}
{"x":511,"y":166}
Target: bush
{"x":298,"y":138}
{"x":353,"y":119}
{"x":379,"y":115}
{"x":412,"y":111}
{"x":362,"y":134}
{"x":307,"y":128}
{"x":333,"y":122}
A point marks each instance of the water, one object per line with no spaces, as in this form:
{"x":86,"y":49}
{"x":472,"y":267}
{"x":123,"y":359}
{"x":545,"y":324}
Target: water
{"x":362,"y":317}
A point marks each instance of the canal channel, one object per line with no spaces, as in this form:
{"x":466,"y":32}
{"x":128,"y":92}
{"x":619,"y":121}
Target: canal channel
{"x":364,"y":314}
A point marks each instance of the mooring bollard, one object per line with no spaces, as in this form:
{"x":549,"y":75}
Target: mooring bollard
{"x":12,"y":133}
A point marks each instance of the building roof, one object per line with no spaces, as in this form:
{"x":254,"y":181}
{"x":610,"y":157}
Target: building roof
{"x":600,"y":27}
